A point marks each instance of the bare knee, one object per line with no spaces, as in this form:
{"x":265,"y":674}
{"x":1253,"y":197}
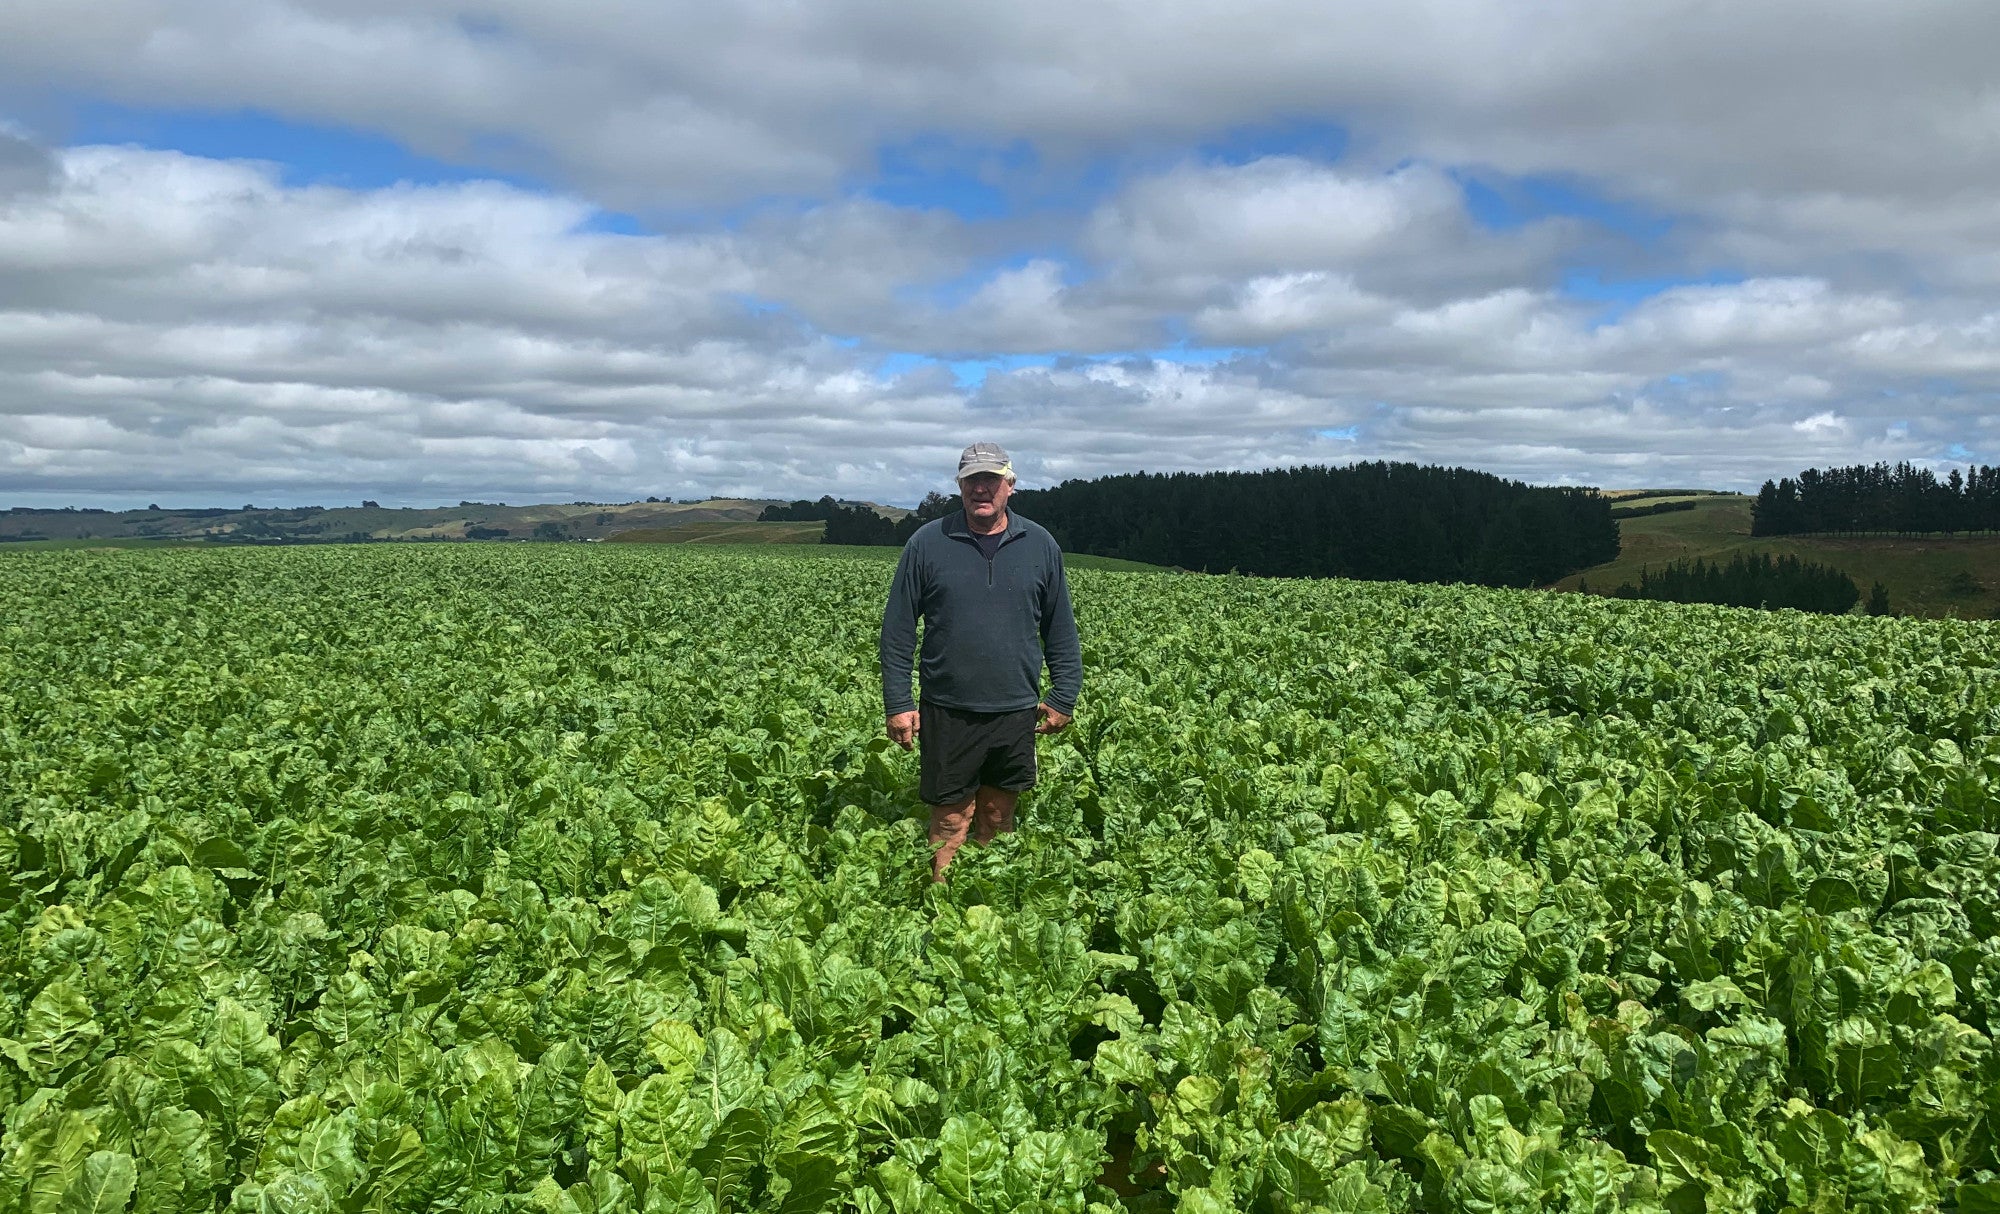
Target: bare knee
{"x":949,"y":824}
{"x":995,"y":814}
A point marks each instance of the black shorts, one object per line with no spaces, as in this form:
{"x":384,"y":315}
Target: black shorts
{"x":960,"y":751}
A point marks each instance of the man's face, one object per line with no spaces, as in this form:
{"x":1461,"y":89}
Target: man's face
{"x":985,"y":495}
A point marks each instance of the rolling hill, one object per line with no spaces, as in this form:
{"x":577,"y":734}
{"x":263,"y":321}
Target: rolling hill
{"x":315,"y":524}
{"x":1933,"y":575}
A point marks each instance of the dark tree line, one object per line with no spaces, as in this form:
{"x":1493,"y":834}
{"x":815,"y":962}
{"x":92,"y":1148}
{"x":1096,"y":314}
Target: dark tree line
{"x":857,"y":525}
{"x":1384,"y":521}
{"x":1655,"y":508}
{"x":800,"y":512}
{"x":1379,"y":521}
{"x":844,"y":524}
{"x":1754,"y":581}
{"x":1374,"y":520}
{"x":1902,"y":498}
{"x":860,"y":525}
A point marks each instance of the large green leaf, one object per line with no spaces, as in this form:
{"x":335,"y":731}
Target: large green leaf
{"x":732,"y":1150}
{"x":970,"y":1163}
{"x":1978,"y":1198}
{"x":174,"y":1163}
{"x":662,"y":1125}
{"x":105,"y":1185}
{"x":816,"y":1182}
{"x":58,"y":1029}
{"x":551,"y":1102}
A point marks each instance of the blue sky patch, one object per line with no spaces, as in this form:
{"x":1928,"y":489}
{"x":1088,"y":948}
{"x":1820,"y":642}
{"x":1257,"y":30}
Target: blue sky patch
{"x":755,"y":305}
{"x":1503,"y":203}
{"x":972,"y":372}
{"x":1682,"y":385}
{"x":901,"y":363}
{"x":986,"y":182}
{"x":1619,"y":296}
{"x":615,"y":223}
{"x":1306,"y":138}
{"x":1189,"y":356}
{"x":1586,"y":284}
{"x":306,"y":153}
{"x":934,"y":173}
{"x":1199,"y":356}
{"x":954,"y":292}
{"x":967,"y":373}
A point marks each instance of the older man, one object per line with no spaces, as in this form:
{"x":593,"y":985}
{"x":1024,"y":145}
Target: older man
{"x":990,"y":589}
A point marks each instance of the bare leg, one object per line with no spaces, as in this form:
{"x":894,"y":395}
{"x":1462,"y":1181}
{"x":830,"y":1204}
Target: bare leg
{"x":987,"y":813}
{"x":995,"y":813}
{"x":948,"y":826}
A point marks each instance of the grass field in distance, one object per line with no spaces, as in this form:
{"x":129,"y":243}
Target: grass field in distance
{"x":722,"y":531}
{"x":1918,"y":571}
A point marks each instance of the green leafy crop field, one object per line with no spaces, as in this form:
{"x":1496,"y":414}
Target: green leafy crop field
{"x":578,"y":879}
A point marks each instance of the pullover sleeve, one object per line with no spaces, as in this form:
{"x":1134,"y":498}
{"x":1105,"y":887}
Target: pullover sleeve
{"x":1060,"y":646}
{"x":899,"y":635}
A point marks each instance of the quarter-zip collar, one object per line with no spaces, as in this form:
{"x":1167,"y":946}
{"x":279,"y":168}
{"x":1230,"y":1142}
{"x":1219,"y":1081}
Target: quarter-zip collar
{"x":955,"y":526}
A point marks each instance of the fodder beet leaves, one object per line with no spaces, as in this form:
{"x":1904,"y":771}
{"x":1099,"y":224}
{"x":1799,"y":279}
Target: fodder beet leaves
{"x":576,"y":880}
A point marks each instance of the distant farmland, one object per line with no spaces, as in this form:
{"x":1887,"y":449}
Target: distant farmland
{"x":724,"y":532}
{"x":1932,"y":576}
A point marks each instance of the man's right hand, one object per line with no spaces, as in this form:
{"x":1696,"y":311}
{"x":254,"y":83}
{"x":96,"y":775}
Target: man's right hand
{"x":903,"y":728}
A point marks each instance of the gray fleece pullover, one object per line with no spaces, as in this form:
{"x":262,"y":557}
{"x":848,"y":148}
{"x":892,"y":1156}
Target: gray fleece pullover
{"x":988,"y":624}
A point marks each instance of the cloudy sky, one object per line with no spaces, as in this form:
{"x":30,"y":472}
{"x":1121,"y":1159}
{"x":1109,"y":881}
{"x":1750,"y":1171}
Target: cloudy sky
{"x":295,"y":251}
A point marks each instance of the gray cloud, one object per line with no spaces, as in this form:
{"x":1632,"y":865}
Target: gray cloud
{"x":1848,"y":99}
{"x":189,"y":325}
{"x":169,"y":322}
{"x":25,"y":167}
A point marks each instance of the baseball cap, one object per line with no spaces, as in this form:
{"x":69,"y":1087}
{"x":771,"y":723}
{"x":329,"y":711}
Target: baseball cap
{"x":984,"y":457}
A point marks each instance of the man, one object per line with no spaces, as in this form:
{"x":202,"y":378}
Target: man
{"x":989,"y":586}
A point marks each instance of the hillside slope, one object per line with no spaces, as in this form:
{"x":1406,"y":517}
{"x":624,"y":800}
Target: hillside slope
{"x":467,"y":520}
{"x":722,"y":531}
{"x":1921,"y":574}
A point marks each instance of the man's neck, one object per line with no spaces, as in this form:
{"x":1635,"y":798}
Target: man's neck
{"x":999,"y":524}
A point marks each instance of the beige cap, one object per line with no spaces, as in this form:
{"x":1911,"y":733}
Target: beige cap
{"x":984,"y":457}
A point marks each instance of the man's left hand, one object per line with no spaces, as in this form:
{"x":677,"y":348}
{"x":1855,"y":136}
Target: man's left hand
{"x":1051,"y":721}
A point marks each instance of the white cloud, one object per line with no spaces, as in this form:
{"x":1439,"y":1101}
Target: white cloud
{"x":189,"y":325}
{"x":1272,"y":214}
{"x":168,"y":320}
{"x":1406,"y":229}
{"x":1844,"y":99}
{"x":1271,"y":307}
{"x":1760,"y":312}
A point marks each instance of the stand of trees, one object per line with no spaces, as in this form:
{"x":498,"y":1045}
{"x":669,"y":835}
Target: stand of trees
{"x":1373,"y":521}
{"x":1382,"y":521}
{"x":857,"y":525}
{"x":1377,"y":521}
{"x":1655,"y":508}
{"x":1904,"y":499}
{"x":935,"y":505}
{"x":1755,"y":581}
{"x":799,"y":512}
{"x":844,"y":524}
